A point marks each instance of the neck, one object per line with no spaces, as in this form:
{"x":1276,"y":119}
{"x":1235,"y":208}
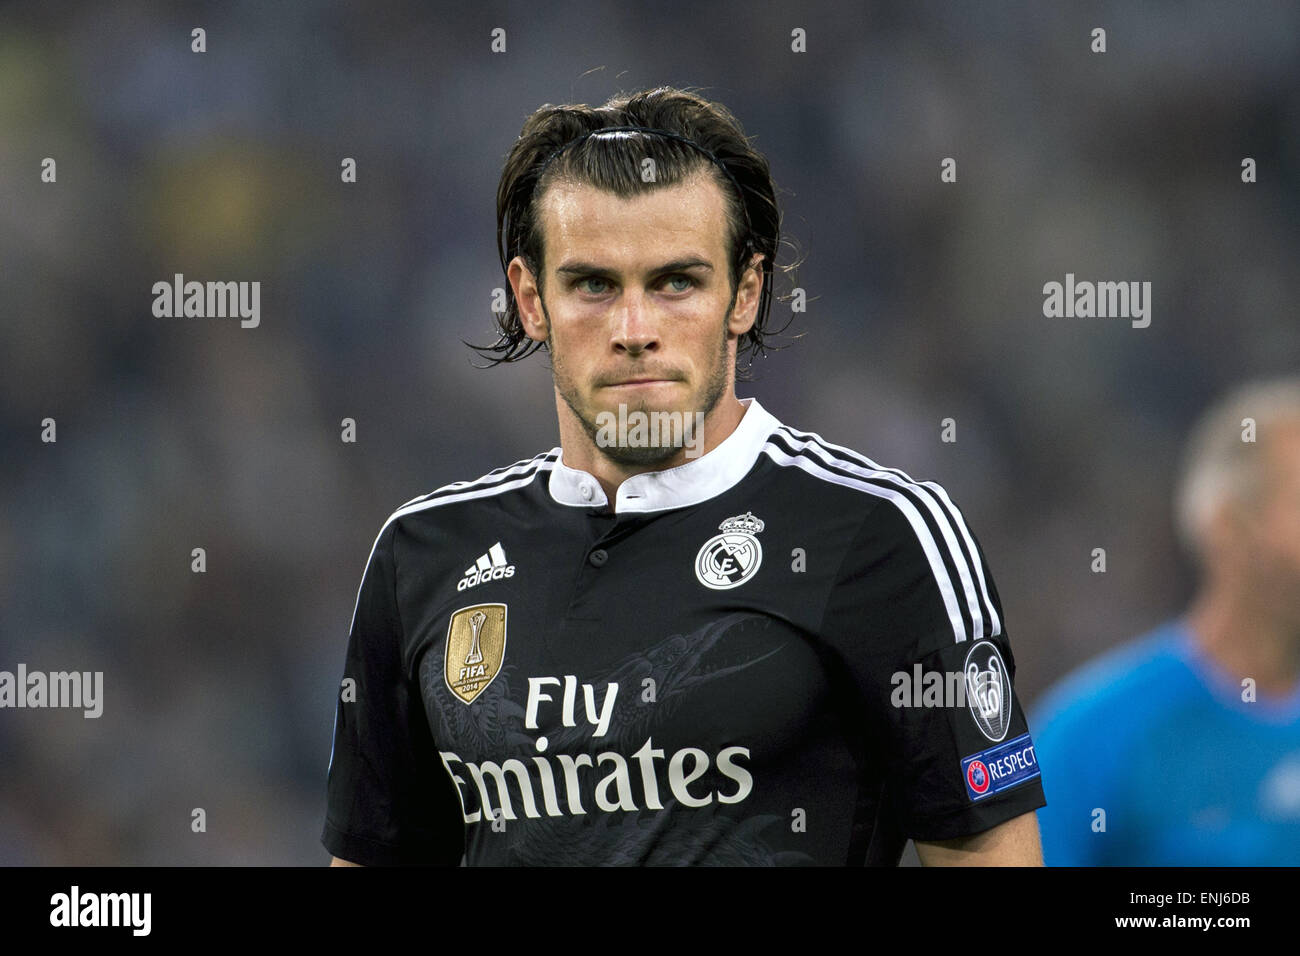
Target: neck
{"x":582,"y":453}
{"x":1246,"y":640}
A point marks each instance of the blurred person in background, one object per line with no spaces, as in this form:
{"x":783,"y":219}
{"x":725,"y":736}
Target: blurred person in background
{"x":1183,"y":747}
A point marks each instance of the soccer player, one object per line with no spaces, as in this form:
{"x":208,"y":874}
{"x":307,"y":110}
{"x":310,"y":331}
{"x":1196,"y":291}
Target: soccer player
{"x":688,"y":634}
{"x":1183,"y":747}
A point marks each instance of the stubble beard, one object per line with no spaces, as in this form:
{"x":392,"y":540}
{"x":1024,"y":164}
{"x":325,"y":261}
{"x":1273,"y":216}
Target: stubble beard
{"x":651,"y":454}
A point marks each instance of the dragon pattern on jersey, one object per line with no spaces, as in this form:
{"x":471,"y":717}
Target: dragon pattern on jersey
{"x":681,"y":666}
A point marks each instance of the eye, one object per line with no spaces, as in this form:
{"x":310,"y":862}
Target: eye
{"x":680,"y":277}
{"x":581,"y":282}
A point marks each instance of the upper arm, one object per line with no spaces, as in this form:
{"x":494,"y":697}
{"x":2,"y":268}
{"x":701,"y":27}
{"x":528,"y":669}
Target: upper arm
{"x":917,"y":600}
{"x":1013,"y":843}
{"x":389,"y":798}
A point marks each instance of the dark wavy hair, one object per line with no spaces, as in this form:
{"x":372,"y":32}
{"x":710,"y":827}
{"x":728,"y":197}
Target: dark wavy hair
{"x":613,"y":163}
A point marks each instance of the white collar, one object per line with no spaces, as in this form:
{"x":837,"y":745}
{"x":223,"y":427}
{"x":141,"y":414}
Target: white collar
{"x":698,"y":479}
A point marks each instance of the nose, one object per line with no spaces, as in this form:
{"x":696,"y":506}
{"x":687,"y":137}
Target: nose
{"x":635,"y":326}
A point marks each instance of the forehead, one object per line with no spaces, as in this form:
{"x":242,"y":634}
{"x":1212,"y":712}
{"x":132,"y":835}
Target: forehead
{"x":581,"y":221}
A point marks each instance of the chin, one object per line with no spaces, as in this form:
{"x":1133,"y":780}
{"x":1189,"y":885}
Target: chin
{"x":640,"y":457}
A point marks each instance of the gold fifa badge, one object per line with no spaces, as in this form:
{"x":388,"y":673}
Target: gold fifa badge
{"x":476,"y":645}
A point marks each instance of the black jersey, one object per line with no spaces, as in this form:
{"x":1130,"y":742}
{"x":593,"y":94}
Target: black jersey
{"x":778,"y":652}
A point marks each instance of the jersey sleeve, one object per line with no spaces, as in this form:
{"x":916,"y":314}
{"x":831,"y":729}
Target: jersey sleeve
{"x":918,"y":621}
{"x":389,"y":799}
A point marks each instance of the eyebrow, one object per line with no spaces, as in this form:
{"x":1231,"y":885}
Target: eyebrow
{"x":590,"y":269}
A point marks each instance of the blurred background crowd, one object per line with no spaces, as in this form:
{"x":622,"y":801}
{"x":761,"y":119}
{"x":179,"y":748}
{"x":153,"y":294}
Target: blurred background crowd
{"x":925,"y":303}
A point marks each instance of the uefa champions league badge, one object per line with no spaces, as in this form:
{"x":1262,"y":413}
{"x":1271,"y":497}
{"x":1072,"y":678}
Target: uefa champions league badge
{"x":730,"y":559}
{"x":988,"y":690}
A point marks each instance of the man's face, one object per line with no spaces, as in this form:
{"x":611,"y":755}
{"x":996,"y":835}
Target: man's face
{"x":637,"y":306}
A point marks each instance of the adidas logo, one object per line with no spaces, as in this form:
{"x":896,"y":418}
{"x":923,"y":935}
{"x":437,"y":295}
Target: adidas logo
{"x":489,"y":567}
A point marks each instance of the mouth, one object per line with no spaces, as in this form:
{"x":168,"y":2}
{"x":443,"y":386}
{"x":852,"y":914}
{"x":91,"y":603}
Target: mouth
{"x":641,"y":382}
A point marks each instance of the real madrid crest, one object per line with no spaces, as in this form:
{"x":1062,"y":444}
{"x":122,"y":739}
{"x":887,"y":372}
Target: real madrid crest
{"x":476,"y":645}
{"x":730,"y":559}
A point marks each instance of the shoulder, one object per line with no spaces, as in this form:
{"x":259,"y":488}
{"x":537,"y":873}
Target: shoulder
{"x":910,"y":550}
{"x":500,"y":481}
{"x":1140,"y":676}
{"x":899,"y":518}
{"x":428,"y":509}
{"x":861,"y":483}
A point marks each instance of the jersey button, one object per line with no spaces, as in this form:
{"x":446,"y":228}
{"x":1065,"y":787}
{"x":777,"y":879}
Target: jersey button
{"x":585,"y":491}
{"x":598,"y":557}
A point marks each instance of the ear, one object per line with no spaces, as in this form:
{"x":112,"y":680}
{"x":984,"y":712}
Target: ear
{"x":748,"y":294}
{"x":528,"y":297}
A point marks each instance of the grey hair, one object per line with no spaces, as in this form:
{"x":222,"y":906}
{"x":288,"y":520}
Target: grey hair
{"x":1219,"y":466}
